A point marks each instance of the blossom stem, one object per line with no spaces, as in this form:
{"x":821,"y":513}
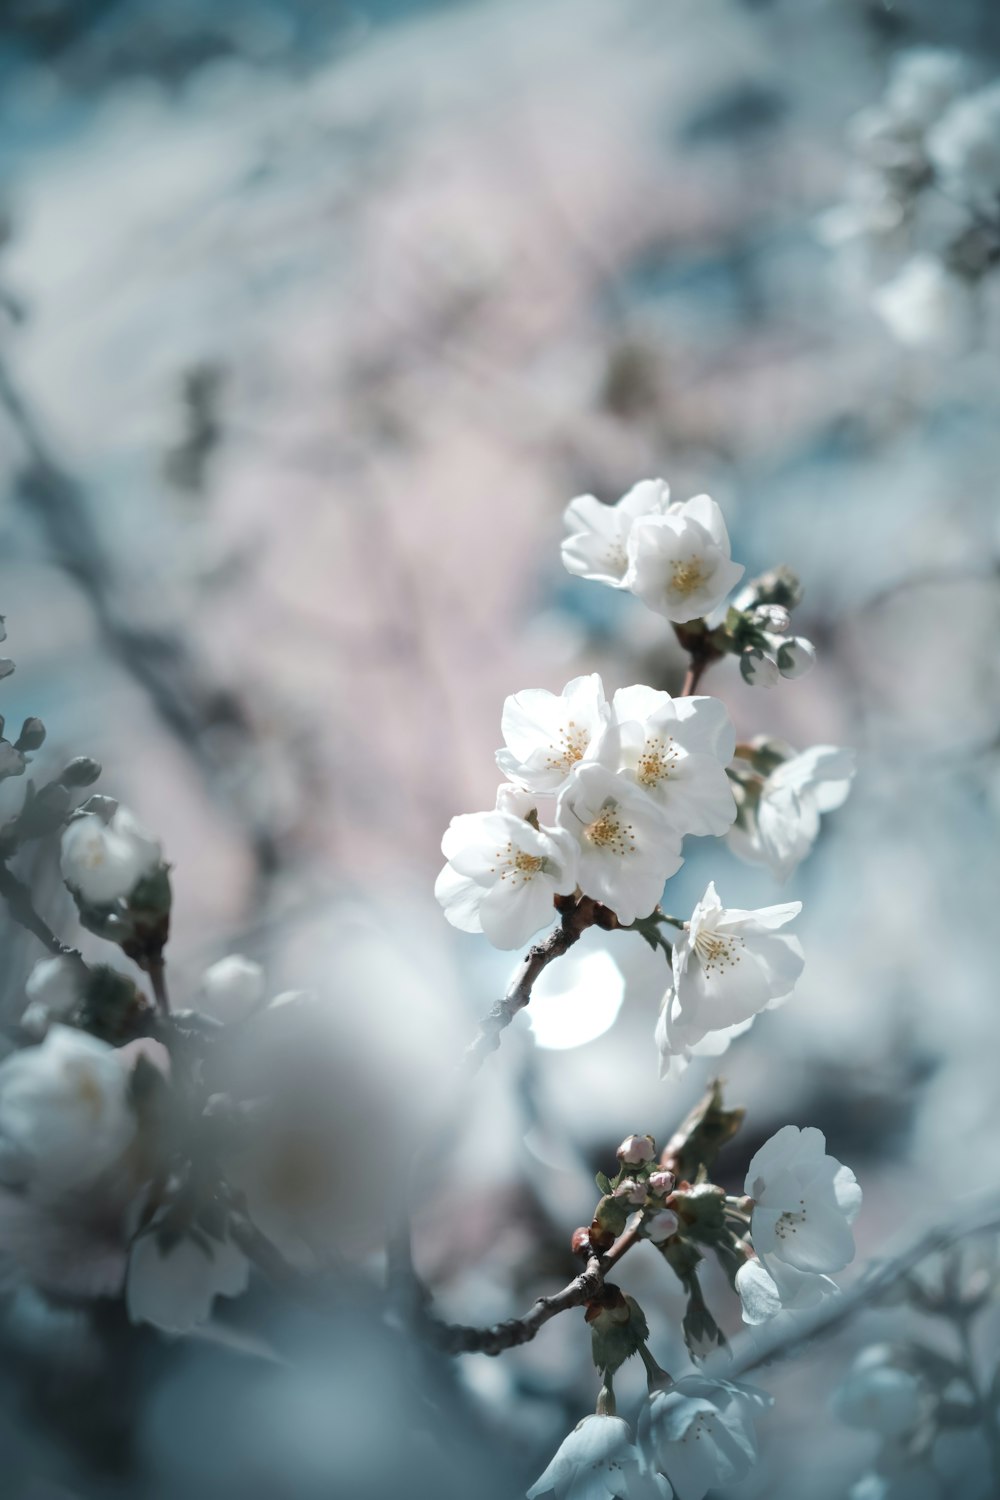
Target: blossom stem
{"x":158,"y":979}
{"x":606,"y":1403}
{"x":655,"y":1374}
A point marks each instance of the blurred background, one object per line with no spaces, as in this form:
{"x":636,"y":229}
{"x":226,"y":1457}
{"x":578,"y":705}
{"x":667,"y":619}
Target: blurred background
{"x":313,"y":316}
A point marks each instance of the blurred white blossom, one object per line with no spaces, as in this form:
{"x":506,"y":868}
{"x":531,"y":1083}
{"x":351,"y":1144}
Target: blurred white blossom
{"x":231,"y":988}
{"x":174,"y":1278}
{"x":596,"y":546}
{"x":65,"y":1117}
{"x":700,"y":1434}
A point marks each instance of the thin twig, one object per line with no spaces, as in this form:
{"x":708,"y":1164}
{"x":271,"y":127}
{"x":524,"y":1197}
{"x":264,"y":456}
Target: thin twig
{"x":575,"y":921}
{"x":459,"y":1338}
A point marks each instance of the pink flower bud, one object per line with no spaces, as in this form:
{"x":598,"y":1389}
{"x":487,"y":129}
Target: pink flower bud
{"x":662,"y":1183}
{"x":636,"y":1149}
{"x":661,"y":1226}
{"x":632,"y":1191}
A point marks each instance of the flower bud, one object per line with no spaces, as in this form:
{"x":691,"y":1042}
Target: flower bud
{"x":662,"y":1226}
{"x":232,"y":988}
{"x":102,"y":861}
{"x":54,"y":989}
{"x":796,"y":657}
{"x":636,"y":1149}
{"x":32,"y":736}
{"x":81,"y":771}
{"x":633,"y":1192}
{"x":580,"y":1243}
{"x":772,"y":617}
{"x":662,"y":1184}
{"x":512,"y":799}
{"x":758,"y":670}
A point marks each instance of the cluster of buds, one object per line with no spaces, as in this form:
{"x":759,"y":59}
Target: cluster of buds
{"x":118,"y":878}
{"x":757,"y":629}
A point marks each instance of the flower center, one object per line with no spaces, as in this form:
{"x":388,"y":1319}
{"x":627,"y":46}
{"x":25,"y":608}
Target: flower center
{"x":568,"y":748}
{"x":616,"y":559}
{"x":788,"y":1224}
{"x":609,"y":832}
{"x":718,"y":951}
{"x":657,"y":761}
{"x":516,"y":865}
{"x":688,"y":576}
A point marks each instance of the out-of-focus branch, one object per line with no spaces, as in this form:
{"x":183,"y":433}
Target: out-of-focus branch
{"x":18,"y":898}
{"x":159,"y":661}
{"x":877,"y":1282}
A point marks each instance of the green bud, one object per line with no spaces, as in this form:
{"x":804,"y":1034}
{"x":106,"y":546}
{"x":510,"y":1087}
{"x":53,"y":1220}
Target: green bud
{"x":617,"y":1327}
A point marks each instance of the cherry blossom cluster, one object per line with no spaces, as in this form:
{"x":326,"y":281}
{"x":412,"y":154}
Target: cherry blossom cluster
{"x":137,"y":1144}
{"x":938,"y":1381}
{"x":776,"y":1245}
{"x":921,"y":222}
{"x":589,"y":826}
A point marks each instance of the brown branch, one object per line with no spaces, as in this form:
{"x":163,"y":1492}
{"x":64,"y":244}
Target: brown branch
{"x":459,"y":1338}
{"x":576,"y":918}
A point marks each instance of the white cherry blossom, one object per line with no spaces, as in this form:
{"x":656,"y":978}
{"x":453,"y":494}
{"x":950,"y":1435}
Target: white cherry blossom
{"x":964,"y":148}
{"x":880,"y":1396}
{"x":627,"y":849}
{"x":104,"y":860}
{"x":927,"y":306}
{"x":804,"y":1202}
{"x":596,"y":546}
{"x":597,"y":1461}
{"x":923,"y":81}
{"x":779,"y":815}
{"x":728,"y":965}
{"x":54,"y":989}
{"x":65,"y":1116}
{"x":548,"y":734}
{"x":676,"y":750}
{"x":502,"y":874}
{"x":679,"y":562}
{"x":173,"y":1279}
{"x":699,"y":1433}
{"x":676,"y":1054}
{"x":768,"y":1287}
{"x":232,"y":988}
